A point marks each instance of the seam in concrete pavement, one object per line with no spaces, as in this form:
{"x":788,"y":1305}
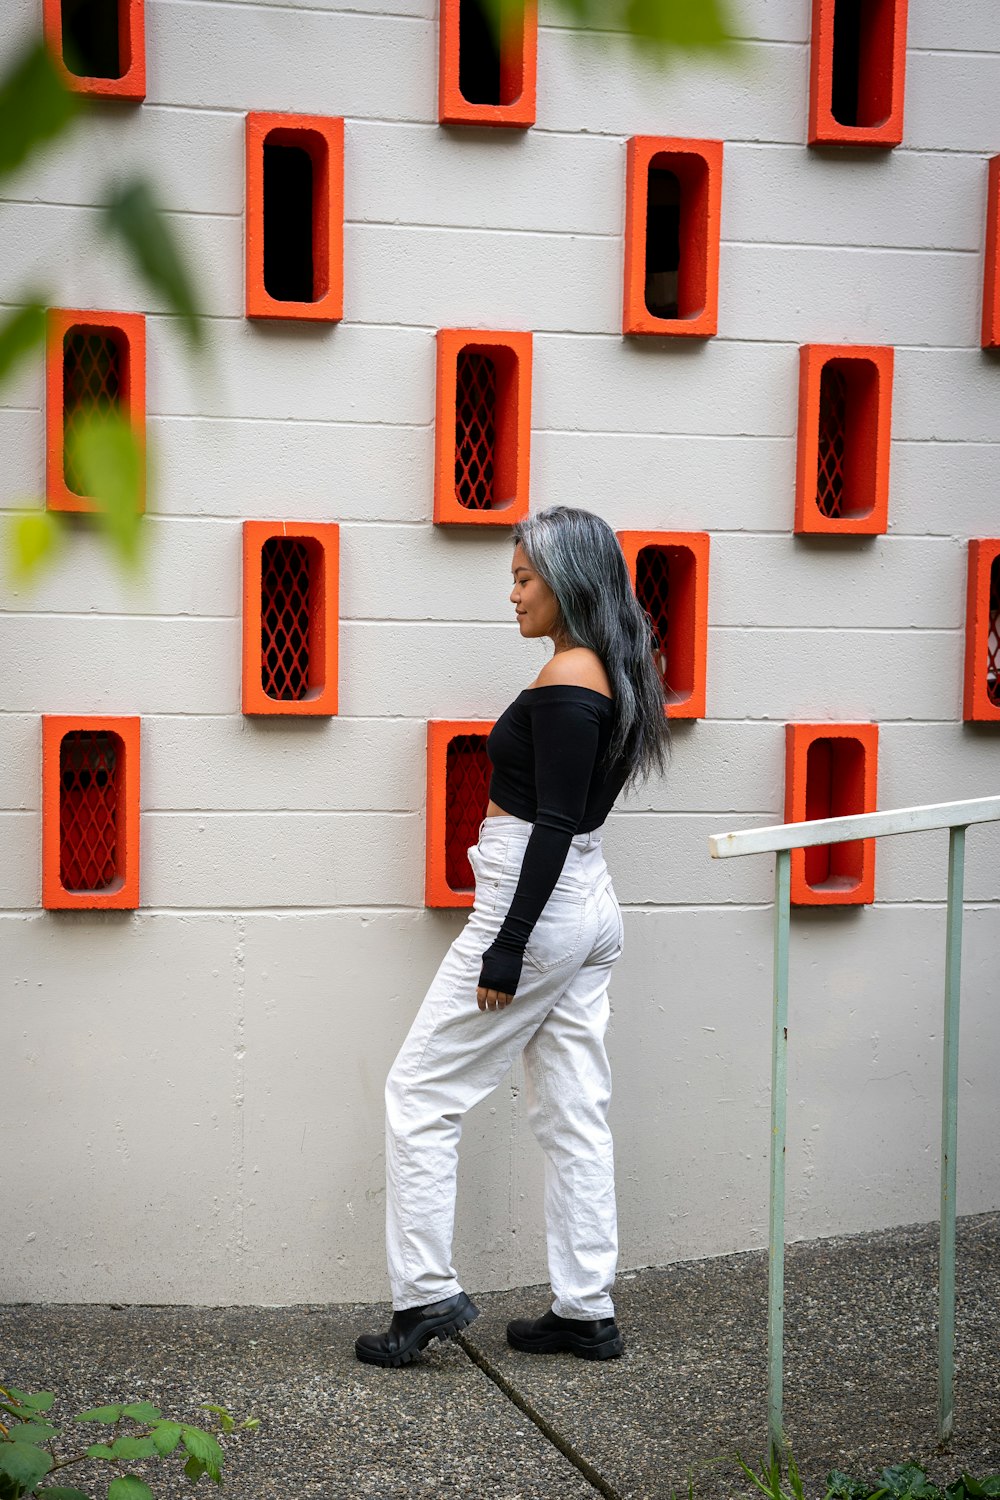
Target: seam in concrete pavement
{"x":545,"y":1427}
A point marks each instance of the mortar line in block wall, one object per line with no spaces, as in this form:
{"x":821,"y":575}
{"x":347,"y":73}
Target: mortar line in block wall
{"x":646,"y":908}
{"x":776,"y":723}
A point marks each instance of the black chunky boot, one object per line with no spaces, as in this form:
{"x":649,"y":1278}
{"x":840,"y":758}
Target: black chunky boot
{"x":552,"y":1334}
{"x":412,"y":1330}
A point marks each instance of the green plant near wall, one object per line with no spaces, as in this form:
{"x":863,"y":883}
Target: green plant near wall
{"x":898,"y":1482}
{"x":34,"y":1452}
{"x":35,"y":110}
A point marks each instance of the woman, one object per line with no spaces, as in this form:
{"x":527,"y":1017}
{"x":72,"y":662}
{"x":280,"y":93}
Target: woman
{"x":536,"y":953}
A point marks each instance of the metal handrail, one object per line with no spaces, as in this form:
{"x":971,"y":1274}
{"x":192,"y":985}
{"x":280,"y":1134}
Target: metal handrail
{"x":781,"y":840}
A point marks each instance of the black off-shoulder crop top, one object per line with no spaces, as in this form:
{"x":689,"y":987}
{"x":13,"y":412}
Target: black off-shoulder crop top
{"x":549,"y":756}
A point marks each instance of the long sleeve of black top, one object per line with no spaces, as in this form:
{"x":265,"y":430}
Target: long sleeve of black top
{"x":565,"y":738}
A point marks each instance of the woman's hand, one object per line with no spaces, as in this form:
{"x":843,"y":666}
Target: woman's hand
{"x":492,"y":999}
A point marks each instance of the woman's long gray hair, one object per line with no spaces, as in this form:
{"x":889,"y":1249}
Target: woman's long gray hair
{"x":579,"y":557}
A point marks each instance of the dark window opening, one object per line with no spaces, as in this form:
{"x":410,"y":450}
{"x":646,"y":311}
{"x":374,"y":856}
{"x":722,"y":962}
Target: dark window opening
{"x":835,"y":771}
{"x":287,"y":589}
{"x":663,"y":242}
{"x":846,"y":477}
{"x":289,"y":274}
{"x":478,"y":53}
{"x":993,"y":637}
{"x":847,"y":41}
{"x":863,"y":35}
{"x":467,"y":783}
{"x":89,"y":764}
{"x":475,"y":430}
{"x":93,"y":380}
{"x":832,"y":441}
{"x":664,"y":586}
{"x":90,"y":38}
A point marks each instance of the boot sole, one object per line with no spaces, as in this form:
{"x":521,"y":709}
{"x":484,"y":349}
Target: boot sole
{"x":445,"y":1330}
{"x":559,"y":1343}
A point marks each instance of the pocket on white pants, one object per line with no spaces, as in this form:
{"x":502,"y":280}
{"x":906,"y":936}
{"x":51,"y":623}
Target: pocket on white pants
{"x":555,"y":937}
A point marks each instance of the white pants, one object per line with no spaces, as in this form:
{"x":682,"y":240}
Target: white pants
{"x":456,"y":1054}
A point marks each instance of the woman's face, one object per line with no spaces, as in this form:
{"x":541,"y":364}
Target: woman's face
{"x":535,"y":603}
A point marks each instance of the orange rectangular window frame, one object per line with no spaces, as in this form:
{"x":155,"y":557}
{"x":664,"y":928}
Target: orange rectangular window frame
{"x":669,"y":572}
{"x":844,"y":437}
{"x":294,"y":229}
{"x":482,"y":435}
{"x":857,"y":74}
{"x":291,"y":587}
{"x":673,"y":206}
{"x":458,"y":783}
{"x":982,"y":633}
{"x":90,"y":813}
{"x":991,"y":270}
{"x":95,"y":364}
{"x":831,"y":771}
{"x":486,"y":78}
{"x":99,"y":45}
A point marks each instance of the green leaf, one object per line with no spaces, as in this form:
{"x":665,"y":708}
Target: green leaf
{"x":900,"y":1479}
{"x":33,"y":539}
{"x":194,"y":1468}
{"x":34,"y":1432}
{"x":100,"y":1450}
{"x":134,"y":1447}
{"x":134,"y":216}
{"x":20,"y":332}
{"x":24,"y":1462}
{"x":40,"y":1401}
{"x":35,"y":106}
{"x":166,"y":1436}
{"x":128,"y":1487}
{"x":226,"y":1419}
{"x":104,"y":1414}
{"x":842,"y":1487}
{"x":142,"y":1411}
{"x":662,"y":24}
{"x":991,"y":1484}
{"x":203,"y":1446}
{"x":110,"y":460}
{"x":62,"y":1492}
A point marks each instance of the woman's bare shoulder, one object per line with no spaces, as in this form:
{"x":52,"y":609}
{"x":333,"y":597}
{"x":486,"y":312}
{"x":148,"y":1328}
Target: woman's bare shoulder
{"x":577,"y":667}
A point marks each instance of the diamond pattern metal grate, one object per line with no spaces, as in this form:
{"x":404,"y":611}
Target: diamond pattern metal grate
{"x":993,"y":638}
{"x":467,"y":792}
{"x":285,"y":588}
{"x":475,"y":429}
{"x":92,"y":382}
{"x":88,"y":810}
{"x":832,"y":439}
{"x":652,"y":588}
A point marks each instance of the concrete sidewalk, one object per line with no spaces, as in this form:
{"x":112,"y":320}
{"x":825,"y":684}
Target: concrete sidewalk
{"x":476,"y":1419}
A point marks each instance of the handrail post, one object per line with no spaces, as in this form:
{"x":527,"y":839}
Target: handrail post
{"x":779,"y":1110}
{"x":949,"y":1134}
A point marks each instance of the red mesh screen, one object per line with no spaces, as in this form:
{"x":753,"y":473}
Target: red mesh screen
{"x":467,"y":791}
{"x":652,"y":588}
{"x":993,"y":638}
{"x":832,"y":437}
{"x":88,"y":809}
{"x":92,"y":382}
{"x":284,"y":618}
{"x":475,"y":429}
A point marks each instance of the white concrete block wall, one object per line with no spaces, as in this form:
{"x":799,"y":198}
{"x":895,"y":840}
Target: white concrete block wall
{"x":190,"y":1094}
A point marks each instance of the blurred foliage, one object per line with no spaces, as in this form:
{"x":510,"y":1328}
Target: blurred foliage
{"x":36,"y":109}
{"x":659,"y":27}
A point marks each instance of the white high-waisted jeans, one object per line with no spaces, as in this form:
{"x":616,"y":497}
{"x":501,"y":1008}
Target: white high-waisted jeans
{"x":456,"y":1054}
